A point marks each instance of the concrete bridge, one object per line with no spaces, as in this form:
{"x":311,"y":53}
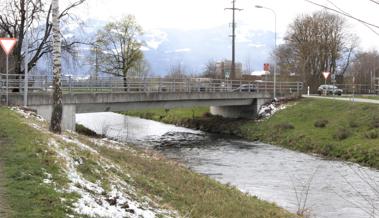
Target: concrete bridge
{"x":235,"y":99}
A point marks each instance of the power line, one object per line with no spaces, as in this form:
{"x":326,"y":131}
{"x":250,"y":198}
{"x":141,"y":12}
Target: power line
{"x":234,"y":9}
{"x":345,"y":14}
{"x":376,"y":2}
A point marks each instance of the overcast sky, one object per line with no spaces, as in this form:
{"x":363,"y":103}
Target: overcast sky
{"x":196,"y":14}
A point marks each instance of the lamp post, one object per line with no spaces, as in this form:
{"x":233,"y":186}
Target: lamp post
{"x":262,"y":7}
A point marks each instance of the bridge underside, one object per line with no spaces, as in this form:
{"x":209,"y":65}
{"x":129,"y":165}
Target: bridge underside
{"x":232,"y":105}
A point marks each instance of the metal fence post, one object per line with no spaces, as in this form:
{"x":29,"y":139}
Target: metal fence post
{"x":46,"y":85}
{"x":69,"y":84}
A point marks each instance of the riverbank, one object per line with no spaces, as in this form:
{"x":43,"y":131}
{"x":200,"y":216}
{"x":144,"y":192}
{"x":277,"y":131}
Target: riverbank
{"x":333,"y":129}
{"x":49,"y":175}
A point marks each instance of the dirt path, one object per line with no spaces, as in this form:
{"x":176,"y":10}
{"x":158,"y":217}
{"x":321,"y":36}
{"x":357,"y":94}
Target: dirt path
{"x":4,"y":209}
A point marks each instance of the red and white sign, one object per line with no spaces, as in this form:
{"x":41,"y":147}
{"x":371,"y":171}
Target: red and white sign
{"x":326,"y":74}
{"x":266,"y":67}
{"x":8,"y":44}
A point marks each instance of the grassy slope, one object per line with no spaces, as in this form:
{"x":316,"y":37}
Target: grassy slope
{"x":294,"y":128}
{"x":26,"y":159}
{"x":344,"y":119}
{"x":25,"y":153}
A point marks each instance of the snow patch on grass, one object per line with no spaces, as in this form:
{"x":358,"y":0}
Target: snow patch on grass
{"x":27,"y":113}
{"x":94,"y":201}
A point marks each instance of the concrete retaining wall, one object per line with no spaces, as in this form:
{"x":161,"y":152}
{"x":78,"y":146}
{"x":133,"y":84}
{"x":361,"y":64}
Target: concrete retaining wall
{"x":68,"y":119}
{"x":243,"y":111}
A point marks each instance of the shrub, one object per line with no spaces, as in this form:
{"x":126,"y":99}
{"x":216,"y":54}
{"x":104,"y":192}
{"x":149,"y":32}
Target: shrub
{"x":148,"y":115}
{"x":284,"y":126}
{"x":353,"y":124}
{"x":207,"y":114}
{"x":372,"y":134}
{"x":375,"y":122}
{"x":85,"y":131}
{"x":321,"y":123}
{"x":326,"y":149}
{"x":342,"y":134}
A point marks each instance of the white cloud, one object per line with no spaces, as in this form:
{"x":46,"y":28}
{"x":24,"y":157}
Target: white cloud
{"x":154,"y":38}
{"x":256,"y":45}
{"x":191,"y":14}
{"x":180,"y":50}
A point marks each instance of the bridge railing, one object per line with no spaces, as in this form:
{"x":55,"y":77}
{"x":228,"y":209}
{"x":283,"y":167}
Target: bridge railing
{"x":40,"y":83}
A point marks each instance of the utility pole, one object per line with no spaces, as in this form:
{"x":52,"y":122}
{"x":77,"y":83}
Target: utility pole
{"x":234,"y":9}
{"x":26,"y":58}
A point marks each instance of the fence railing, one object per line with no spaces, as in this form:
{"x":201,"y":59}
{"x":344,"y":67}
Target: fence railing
{"x":41,"y":83}
{"x":349,"y":88}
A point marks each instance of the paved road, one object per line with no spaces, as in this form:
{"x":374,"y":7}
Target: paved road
{"x":361,"y":100}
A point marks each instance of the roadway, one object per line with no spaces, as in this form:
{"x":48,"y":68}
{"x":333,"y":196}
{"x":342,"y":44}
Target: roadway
{"x":344,"y":98}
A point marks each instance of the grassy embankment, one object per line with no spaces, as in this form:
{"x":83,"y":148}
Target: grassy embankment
{"x":334,"y":129}
{"x":27,"y":159}
{"x":26,"y":162}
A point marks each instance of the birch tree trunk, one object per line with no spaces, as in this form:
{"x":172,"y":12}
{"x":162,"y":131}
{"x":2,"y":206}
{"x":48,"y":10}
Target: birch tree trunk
{"x":56,"y":116}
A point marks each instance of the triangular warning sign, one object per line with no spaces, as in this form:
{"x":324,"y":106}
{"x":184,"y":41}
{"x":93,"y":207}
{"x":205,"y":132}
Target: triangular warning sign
{"x":326,"y":75}
{"x":8,"y":44}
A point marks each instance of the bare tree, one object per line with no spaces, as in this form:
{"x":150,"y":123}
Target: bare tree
{"x":14,"y":23}
{"x":120,"y":47}
{"x":313,"y":44}
{"x":177,"y":71}
{"x":365,"y":68}
{"x":210,"y":69}
{"x":56,"y":117}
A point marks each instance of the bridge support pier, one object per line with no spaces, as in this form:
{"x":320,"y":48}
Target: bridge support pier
{"x":238,"y":111}
{"x":68,"y":119}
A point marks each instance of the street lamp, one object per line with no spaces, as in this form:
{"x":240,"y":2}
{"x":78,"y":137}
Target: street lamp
{"x":262,"y":7}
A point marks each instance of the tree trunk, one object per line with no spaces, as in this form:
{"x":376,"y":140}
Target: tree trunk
{"x":56,"y":116}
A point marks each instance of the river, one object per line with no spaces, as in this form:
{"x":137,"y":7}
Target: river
{"x":288,"y":178}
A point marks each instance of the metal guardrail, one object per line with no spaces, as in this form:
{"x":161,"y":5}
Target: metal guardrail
{"x":144,"y":85}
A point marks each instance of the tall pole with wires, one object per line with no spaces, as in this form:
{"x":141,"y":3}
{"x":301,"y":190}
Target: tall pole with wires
{"x":234,"y":9}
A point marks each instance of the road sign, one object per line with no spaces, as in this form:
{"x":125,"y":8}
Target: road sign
{"x":227,"y":74}
{"x":326,"y":74}
{"x":8,"y":44}
{"x":266,"y":67}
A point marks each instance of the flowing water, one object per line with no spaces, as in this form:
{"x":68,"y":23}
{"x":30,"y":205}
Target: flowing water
{"x":288,"y":178}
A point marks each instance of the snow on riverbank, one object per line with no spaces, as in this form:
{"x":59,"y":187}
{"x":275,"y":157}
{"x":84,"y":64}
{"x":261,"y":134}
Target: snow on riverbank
{"x":118,"y":201}
{"x":269,"y":109}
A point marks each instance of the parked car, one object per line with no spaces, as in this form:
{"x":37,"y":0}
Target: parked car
{"x":329,"y":90}
{"x":246,"y":88}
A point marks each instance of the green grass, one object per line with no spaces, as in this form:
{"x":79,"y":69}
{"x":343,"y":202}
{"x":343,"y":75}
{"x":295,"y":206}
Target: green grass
{"x":343,"y":137}
{"x":374,"y":97}
{"x":26,"y":160}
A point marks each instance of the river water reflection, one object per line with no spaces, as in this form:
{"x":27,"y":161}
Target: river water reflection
{"x":336,"y":189}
